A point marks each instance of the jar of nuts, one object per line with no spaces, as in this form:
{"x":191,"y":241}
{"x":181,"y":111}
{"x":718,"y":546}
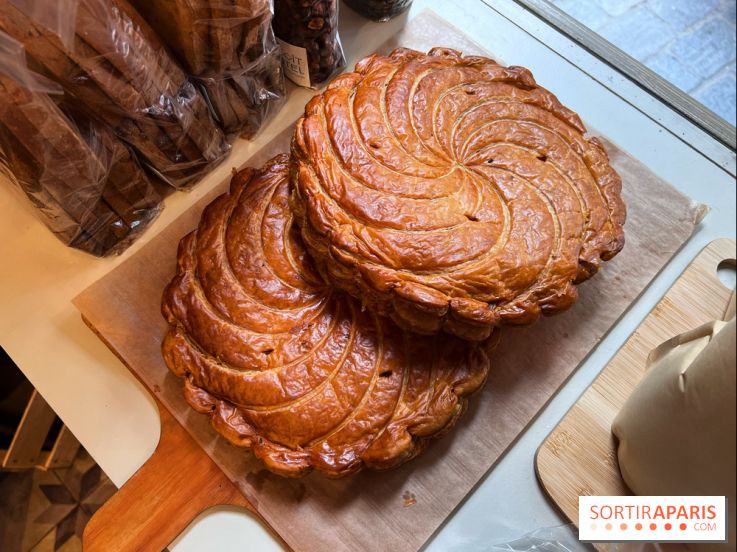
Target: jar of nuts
{"x":379,"y":10}
{"x":307,"y":31}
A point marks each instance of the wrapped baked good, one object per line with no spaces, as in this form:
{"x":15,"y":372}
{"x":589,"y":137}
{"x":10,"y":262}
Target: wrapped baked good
{"x":290,"y":368}
{"x":308,"y":34}
{"x":676,"y":431}
{"x":105,"y":56}
{"x":229,"y":49}
{"x":452,"y":193}
{"x":86,"y":185}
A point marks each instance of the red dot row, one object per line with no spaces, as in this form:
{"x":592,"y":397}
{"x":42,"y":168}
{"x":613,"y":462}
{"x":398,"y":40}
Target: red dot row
{"x":638,"y":526}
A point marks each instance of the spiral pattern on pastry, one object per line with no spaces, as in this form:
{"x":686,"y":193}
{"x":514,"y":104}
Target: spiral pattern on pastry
{"x":453,"y":193}
{"x":289,"y":367}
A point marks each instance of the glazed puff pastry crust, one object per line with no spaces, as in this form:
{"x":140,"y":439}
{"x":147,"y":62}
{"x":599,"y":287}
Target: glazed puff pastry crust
{"x":452,"y":193}
{"x":290,"y":368}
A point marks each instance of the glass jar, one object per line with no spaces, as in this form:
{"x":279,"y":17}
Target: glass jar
{"x":379,"y":10}
{"x":308,"y":34}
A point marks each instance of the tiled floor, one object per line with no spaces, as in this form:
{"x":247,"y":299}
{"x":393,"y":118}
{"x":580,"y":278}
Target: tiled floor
{"x":46,"y":511}
{"x":689,"y":42}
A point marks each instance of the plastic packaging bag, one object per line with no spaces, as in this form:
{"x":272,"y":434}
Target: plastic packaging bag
{"x":308,"y":34}
{"x":86,"y":184}
{"x":561,"y":538}
{"x":228,"y":48}
{"x":120,"y":72}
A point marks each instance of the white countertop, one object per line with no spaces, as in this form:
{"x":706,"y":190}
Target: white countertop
{"x":116,"y":420}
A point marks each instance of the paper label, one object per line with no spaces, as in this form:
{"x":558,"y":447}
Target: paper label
{"x":294,"y":61}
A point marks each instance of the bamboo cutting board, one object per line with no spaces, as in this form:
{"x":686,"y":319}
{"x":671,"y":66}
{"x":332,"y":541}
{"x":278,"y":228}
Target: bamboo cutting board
{"x":400,"y":509}
{"x":579,"y":457}
{"x":175,"y":485}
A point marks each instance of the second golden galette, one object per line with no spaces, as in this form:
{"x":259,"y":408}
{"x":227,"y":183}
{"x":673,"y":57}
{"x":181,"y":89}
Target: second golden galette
{"x":452,"y":193}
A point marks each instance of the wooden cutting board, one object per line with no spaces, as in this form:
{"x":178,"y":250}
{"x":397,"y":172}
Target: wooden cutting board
{"x":176,"y":484}
{"x":400,"y":509}
{"x":579,"y":457}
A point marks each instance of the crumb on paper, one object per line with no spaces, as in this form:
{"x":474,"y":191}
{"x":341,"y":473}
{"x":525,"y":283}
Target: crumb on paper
{"x":699,"y":212}
{"x":409,"y":499}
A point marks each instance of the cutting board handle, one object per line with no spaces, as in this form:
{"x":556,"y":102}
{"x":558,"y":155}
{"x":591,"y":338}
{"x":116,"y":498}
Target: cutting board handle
{"x":175,"y":485}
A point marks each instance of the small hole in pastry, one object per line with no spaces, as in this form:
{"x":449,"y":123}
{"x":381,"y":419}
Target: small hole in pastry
{"x":386,"y":374}
{"x":267,"y":352}
{"x":489,"y":161}
{"x":472,"y":218}
{"x":470,"y":92}
{"x":542,"y":157}
{"x":374,"y":145}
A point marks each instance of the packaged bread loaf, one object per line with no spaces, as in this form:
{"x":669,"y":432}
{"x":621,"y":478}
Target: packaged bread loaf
{"x":228,"y":48}
{"x":110,"y":61}
{"x":86,"y":184}
{"x":308,"y":34}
